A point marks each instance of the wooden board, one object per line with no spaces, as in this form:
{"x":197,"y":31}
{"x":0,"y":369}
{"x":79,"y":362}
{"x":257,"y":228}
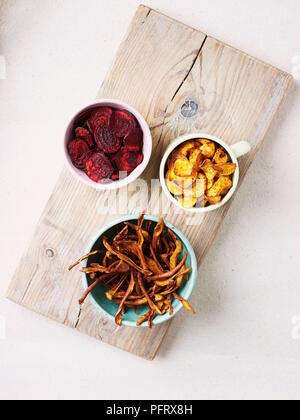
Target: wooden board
{"x":160,"y":65}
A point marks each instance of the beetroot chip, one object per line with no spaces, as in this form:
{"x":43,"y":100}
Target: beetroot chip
{"x":100,"y":116}
{"x":98,"y":167}
{"x":106,"y":140}
{"x":116,"y":175}
{"x":78,"y":150}
{"x":134,"y":140}
{"x":127,"y":161}
{"x":122,"y":122}
{"x":84,"y":134}
{"x":82,"y":118}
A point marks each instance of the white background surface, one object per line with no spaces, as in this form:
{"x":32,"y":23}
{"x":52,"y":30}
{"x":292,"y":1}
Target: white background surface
{"x":240,"y":344}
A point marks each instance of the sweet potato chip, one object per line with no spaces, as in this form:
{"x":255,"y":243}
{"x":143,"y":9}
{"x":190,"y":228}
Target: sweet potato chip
{"x":198,"y":189}
{"x":187,"y":202}
{"x":208,"y":168}
{"x":183,"y":182}
{"x":174,"y":188}
{"x":183,"y":167}
{"x":208,"y":148}
{"x":196,"y":158}
{"x":214,"y":200}
{"x":220,"y":156}
{"x":173,"y":157}
{"x":225,"y":168}
{"x":200,"y":185}
{"x":186,"y":147}
{"x":210,"y":183}
{"x":220,"y":187}
{"x":201,"y":201}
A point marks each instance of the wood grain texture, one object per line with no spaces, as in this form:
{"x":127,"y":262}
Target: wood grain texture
{"x":160,"y":64}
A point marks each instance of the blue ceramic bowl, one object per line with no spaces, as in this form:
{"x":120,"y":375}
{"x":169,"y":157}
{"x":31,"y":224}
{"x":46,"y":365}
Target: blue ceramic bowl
{"x":129,"y":319}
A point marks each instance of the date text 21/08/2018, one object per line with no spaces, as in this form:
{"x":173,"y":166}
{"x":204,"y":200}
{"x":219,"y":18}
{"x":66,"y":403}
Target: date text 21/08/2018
{"x":135,"y":411}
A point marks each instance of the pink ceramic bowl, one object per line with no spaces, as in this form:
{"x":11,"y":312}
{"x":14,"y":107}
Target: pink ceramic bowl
{"x":147,"y":148}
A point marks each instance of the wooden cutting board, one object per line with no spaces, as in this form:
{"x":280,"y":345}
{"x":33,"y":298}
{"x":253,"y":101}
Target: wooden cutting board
{"x":180,"y":80}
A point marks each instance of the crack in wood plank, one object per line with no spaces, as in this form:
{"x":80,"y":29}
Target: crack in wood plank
{"x":179,"y":87}
{"x":150,"y":10}
{"x":190,"y":69}
{"x":78,"y":318}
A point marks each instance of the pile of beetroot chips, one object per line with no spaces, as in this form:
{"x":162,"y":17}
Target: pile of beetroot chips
{"x":106,"y":141}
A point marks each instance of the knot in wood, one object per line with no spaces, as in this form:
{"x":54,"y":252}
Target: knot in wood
{"x":49,"y":253}
{"x":189,"y":108}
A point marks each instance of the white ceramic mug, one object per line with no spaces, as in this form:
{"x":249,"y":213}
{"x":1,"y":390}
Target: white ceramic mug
{"x":234,"y":151}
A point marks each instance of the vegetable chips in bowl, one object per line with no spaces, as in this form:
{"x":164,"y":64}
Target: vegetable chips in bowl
{"x":199,"y":172}
{"x":140,"y":271}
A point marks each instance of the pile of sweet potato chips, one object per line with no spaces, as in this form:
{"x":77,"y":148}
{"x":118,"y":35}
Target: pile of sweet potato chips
{"x":140,"y":266}
{"x":199,"y":173}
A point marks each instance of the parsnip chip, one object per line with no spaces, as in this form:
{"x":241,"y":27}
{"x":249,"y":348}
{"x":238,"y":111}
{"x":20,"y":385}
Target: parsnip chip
{"x":175,"y":254}
{"x":220,"y":156}
{"x":225,"y":169}
{"x":185,"y":303}
{"x":220,"y":187}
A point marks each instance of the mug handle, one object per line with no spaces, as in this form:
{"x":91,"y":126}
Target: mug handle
{"x":240,"y":149}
